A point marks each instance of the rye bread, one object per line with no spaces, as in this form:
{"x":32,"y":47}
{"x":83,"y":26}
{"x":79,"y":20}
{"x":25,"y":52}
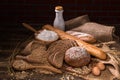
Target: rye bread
{"x":57,"y":51}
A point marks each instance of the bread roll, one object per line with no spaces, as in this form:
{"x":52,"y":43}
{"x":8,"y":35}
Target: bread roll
{"x":82,"y":36}
{"x":57,"y":49}
{"x":77,"y":56}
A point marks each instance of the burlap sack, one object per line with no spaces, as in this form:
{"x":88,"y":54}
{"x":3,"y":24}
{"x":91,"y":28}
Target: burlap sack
{"x":75,"y":22}
{"x":101,"y":32}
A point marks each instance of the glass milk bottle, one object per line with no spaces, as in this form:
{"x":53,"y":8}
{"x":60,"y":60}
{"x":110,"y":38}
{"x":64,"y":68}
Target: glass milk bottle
{"x":59,"y":21}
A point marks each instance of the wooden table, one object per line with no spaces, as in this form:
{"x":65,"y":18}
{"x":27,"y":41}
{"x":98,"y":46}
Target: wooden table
{"x":11,"y":35}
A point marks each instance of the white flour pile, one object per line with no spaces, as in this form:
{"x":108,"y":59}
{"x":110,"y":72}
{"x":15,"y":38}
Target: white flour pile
{"x":47,"y":35}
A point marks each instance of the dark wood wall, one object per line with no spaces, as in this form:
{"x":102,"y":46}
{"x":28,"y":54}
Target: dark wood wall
{"x":42,"y":11}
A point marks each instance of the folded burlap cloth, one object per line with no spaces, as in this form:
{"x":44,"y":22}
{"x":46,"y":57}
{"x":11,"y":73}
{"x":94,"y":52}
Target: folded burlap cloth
{"x":77,"y":21}
{"x":101,"y":32}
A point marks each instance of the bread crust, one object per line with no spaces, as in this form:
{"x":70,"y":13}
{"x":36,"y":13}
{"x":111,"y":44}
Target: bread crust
{"x":83,"y":36}
{"x":90,"y":48}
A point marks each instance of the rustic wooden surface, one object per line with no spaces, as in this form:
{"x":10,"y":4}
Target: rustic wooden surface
{"x":11,"y":35}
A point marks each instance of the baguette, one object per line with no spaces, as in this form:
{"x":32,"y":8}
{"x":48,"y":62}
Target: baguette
{"x":90,"y":48}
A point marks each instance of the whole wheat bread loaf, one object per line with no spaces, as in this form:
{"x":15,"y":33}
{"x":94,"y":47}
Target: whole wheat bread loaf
{"x":57,"y":51}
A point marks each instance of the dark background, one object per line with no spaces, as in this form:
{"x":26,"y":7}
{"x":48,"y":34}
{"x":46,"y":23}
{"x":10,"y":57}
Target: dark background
{"x":42,"y":11}
{"x":37,"y":12}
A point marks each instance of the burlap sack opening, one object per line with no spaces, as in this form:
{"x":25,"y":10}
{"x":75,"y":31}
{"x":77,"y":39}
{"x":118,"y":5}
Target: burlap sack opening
{"x":101,"y":32}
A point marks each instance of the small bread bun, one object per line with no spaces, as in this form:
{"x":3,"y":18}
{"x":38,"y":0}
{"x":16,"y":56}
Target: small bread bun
{"x":77,"y":56}
{"x":47,"y":36}
{"x":82,"y":36}
{"x":58,"y":8}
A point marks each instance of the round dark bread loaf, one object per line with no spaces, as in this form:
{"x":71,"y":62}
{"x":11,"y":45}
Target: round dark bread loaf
{"x":57,"y":51}
{"x":77,"y":56}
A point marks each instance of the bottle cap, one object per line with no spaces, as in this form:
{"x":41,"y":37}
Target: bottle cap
{"x":58,"y":8}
